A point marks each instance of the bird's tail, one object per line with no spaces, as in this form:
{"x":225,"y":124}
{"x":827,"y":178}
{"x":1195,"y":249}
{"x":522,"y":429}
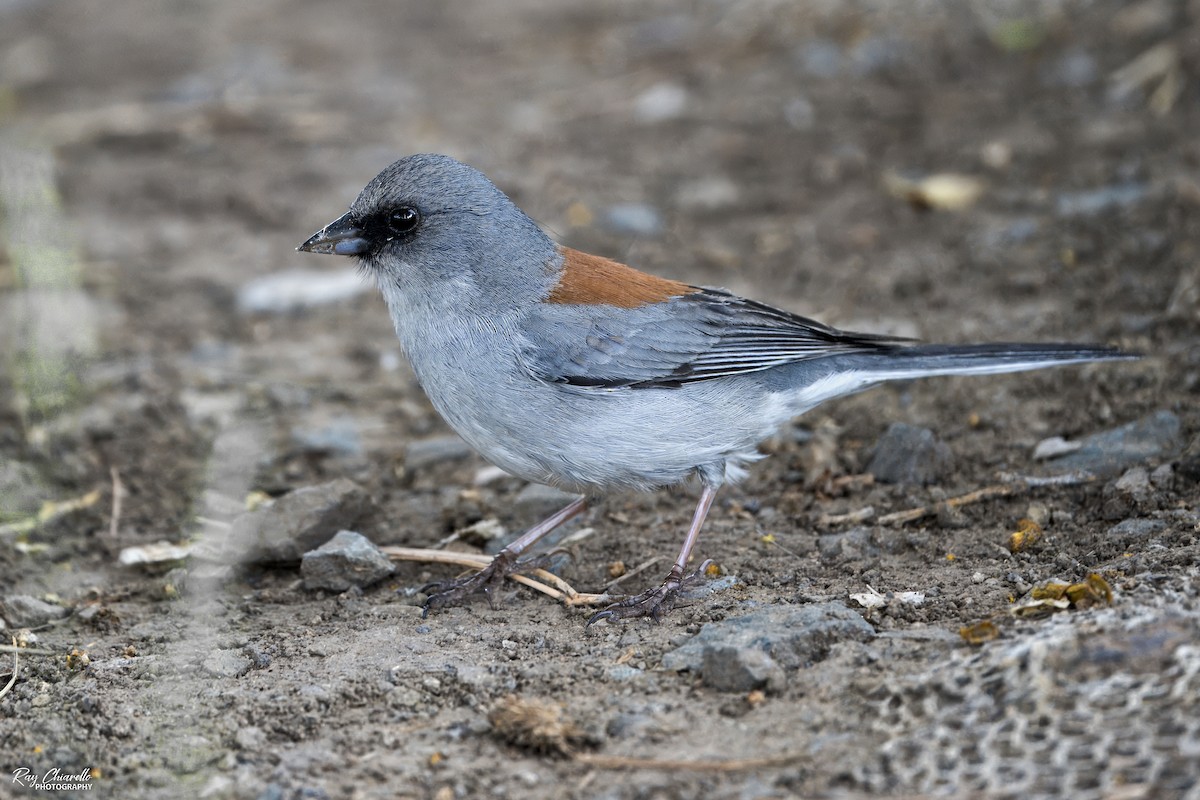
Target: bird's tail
{"x":984,"y":359}
{"x":854,"y":372}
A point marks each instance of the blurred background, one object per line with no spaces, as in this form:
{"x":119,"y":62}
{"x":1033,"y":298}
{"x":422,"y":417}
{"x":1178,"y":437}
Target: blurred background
{"x":1011,"y":170}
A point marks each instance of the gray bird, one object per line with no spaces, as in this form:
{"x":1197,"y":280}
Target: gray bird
{"x":573,"y":370}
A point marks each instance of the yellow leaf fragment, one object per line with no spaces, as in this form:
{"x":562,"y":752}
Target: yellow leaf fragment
{"x":1027,"y":534}
{"x":979,"y":633}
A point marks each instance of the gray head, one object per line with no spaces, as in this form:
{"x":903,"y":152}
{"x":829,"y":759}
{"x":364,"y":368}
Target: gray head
{"x":436,"y":231}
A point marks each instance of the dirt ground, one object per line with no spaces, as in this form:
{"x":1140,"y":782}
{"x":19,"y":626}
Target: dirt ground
{"x":156,"y":159}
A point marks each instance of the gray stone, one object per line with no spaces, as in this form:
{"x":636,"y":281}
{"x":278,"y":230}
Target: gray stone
{"x":852,"y":544}
{"x":707,"y":194}
{"x":1131,"y":491}
{"x":429,"y":452}
{"x":661,"y":102}
{"x":1136,"y":528}
{"x":226,"y":664}
{"x":1075,"y":69}
{"x":729,"y":668}
{"x":1109,"y":453}
{"x":636,"y":218}
{"x":908,"y":454}
{"x":1097,"y":201}
{"x":296,"y":289}
{"x":340,"y":436}
{"x":536,"y":502}
{"x":348,"y":559}
{"x":792,"y":636}
{"x":283,"y":531}
{"x":23,"y":611}
{"x":820,"y":58}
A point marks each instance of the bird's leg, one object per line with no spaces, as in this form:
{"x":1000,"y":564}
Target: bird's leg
{"x":507,"y":561}
{"x":655,"y":602}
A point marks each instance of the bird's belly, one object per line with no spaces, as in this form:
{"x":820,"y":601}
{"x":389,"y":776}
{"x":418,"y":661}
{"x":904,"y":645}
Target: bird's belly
{"x":593,"y":440}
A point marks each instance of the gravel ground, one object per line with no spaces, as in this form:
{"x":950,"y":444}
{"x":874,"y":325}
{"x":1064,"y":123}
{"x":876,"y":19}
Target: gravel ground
{"x":173,"y":372}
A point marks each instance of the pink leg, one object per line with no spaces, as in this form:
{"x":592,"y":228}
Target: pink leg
{"x":444,"y":593}
{"x":654,"y":602}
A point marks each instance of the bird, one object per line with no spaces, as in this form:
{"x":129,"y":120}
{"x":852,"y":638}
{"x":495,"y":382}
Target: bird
{"x":577,"y":371}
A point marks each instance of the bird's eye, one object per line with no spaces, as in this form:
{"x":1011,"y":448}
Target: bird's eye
{"x":403,"y":220}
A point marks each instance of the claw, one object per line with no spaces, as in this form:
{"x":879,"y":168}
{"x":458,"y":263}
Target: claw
{"x":459,"y":590}
{"x":652,"y":603}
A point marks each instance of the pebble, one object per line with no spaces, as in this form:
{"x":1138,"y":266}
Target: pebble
{"x":340,"y":436}
{"x":1092,"y":202}
{"x":790,"y":636}
{"x":639,"y":219}
{"x":1073,"y":70}
{"x":661,"y":102}
{"x":226,"y":664}
{"x":819,"y":58}
{"x":1136,"y":528}
{"x":707,"y":194}
{"x":535,"y":502}
{"x":284,"y":530}
{"x":24,"y":611}
{"x":907,"y":454}
{"x":297,"y":289}
{"x":1109,"y":453}
{"x":853,"y":544}
{"x":348,"y":559}
{"x":800,"y":114}
{"x":729,"y":668}
{"x":1128,"y":493}
{"x":430,"y":452}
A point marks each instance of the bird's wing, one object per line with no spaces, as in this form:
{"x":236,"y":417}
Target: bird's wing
{"x":706,"y":334}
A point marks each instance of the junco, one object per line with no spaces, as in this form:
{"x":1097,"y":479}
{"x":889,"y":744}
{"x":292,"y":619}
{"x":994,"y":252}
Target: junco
{"x":573,"y":370}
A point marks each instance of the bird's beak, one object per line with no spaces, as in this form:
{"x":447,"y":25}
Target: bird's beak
{"x":339,"y":238}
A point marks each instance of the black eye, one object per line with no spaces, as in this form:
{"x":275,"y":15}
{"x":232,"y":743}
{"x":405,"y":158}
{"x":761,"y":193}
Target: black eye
{"x":403,"y":220}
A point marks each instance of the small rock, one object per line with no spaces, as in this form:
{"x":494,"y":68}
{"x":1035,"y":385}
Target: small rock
{"x":1132,"y":491}
{"x":226,"y":664}
{"x":853,"y":544}
{"x":908,"y":454}
{"x":489,"y":475}
{"x":428,"y":452}
{"x":727,"y":668}
{"x":1136,"y":528}
{"x":662,"y":101}
{"x":1054,"y":447}
{"x":340,"y":436}
{"x":348,"y":559}
{"x":1097,"y":201}
{"x":792,"y":636}
{"x":1188,"y":467}
{"x":296,"y":289}
{"x":639,"y":219}
{"x":1073,"y":70}
{"x":284,"y":530}
{"x":800,"y":114}
{"x":707,"y":194}
{"x":1109,"y":453}
{"x":820,"y":58}
{"x":23,"y":611}
{"x":536,"y":502}
{"x":623,"y":673}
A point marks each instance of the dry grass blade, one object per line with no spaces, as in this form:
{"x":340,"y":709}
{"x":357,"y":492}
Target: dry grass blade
{"x":16,"y":663}
{"x":564,"y":592}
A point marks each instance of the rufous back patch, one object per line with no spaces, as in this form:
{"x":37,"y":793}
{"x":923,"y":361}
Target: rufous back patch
{"x":594,"y":280}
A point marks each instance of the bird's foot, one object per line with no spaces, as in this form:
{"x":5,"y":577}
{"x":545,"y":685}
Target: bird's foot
{"x":652,"y":603}
{"x":486,"y":581}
